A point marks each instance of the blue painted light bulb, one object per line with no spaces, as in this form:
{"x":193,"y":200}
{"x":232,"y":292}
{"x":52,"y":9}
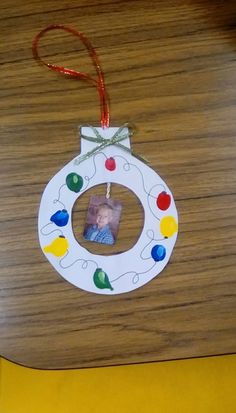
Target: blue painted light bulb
{"x":158,"y":252}
{"x":60,"y":218}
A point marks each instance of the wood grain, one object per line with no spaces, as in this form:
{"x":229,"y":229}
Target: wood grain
{"x":170,"y":69}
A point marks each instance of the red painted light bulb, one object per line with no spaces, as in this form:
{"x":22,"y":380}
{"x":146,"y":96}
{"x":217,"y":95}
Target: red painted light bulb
{"x":163,"y":201}
{"x":110,"y":164}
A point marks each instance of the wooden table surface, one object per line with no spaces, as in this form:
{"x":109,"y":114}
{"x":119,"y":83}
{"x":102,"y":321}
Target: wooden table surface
{"x":170,"y":69}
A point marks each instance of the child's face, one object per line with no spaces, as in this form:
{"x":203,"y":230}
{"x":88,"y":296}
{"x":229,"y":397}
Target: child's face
{"x":104,"y":216}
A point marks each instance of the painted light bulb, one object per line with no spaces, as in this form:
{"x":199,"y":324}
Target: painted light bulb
{"x":168,"y":226}
{"x":58,"y":246}
{"x":163,"y":201}
{"x":101,"y":279}
{"x":74,"y":182}
{"x":158,"y":253}
{"x":110,"y":164}
{"x":60,"y":218}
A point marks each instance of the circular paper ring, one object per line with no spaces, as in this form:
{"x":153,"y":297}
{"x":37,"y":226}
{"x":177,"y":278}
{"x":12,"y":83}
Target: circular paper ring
{"x":113,"y":274}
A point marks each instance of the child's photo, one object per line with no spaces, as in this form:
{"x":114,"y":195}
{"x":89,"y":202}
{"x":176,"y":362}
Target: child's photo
{"x":102,"y":220}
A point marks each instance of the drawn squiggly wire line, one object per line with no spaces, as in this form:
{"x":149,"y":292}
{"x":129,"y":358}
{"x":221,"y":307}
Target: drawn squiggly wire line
{"x":135,"y":278}
{"x":54,"y":230}
{"x":95,"y":167}
{"x":144,"y":188}
{"x":150,"y":235}
{"x":126,"y":167}
{"x":88,"y":178}
{"x":153,"y":213}
{"x":57,"y":200}
{"x":148,"y":193}
{"x":122,"y":275}
{"x":84,"y":265}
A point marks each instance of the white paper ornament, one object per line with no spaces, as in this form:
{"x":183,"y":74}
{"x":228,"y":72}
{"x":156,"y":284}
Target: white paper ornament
{"x":114,"y":163}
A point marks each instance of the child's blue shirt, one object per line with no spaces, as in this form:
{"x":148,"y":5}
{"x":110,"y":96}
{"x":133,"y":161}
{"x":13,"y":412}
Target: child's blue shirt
{"x":104,"y":235}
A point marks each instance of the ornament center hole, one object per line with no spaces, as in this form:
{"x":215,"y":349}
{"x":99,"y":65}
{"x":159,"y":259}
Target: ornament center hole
{"x":131,"y":219}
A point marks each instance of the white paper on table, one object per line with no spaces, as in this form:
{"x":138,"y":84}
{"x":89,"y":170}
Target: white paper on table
{"x":118,"y":273}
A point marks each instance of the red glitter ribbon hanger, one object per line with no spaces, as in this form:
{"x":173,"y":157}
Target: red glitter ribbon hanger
{"x":98,"y":83}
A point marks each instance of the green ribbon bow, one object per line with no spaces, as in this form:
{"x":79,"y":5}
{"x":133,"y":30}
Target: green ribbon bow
{"x":118,"y":137}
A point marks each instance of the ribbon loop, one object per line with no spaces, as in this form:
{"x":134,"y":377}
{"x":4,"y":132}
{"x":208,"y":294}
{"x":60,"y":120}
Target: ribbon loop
{"x":99,"y":82}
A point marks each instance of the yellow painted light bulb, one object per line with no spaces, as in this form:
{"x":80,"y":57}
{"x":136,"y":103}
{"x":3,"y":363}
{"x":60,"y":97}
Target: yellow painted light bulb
{"x":58,"y":246}
{"x":168,"y":226}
